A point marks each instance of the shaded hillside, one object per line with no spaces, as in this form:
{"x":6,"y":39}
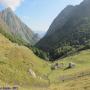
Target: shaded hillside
{"x":17,"y":28}
{"x":60,"y":20}
{"x":70,"y":31}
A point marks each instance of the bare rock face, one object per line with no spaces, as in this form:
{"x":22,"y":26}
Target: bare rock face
{"x":17,"y":28}
{"x":32,"y":73}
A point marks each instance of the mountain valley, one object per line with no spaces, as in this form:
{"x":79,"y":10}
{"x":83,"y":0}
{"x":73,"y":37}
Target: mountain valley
{"x":58,"y":61}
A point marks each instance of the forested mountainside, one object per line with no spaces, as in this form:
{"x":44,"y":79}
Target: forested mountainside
{"x":70,"y":31}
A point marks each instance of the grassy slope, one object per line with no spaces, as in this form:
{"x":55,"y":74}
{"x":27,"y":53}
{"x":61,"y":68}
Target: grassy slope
{"x":82,"y":83}
{"x":77,"y":78}
{"x":15,"y":62}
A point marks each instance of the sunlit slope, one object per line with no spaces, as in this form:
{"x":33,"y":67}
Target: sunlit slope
{"x":82,"y":83}
{"x":82,"y":66}
{"x":18,"y":63}
{"x":77,"y":78}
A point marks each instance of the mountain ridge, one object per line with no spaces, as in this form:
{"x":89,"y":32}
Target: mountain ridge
{"x":70,"y":34}
{"x":17,"y":28}
{"x":61,"y":17}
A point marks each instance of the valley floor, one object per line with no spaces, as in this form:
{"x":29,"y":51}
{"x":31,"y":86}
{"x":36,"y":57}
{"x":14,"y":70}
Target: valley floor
{"x":77,"y":78}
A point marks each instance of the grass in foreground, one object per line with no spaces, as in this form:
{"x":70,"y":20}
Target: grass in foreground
{"x":15,"y":62}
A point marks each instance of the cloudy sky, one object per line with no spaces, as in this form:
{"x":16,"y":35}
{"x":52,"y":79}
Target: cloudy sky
{"x":37,"y":14}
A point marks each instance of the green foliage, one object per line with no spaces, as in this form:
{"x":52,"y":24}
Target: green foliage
{"x":61,"y":52}
{"x":40,"y":53}
{"x":15,"y":39}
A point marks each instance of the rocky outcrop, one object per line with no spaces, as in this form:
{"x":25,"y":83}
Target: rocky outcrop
{"x":32,"y":73}
{"x":17,"y":28}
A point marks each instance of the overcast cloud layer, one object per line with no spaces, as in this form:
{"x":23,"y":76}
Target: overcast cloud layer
{"x":13,"y":4}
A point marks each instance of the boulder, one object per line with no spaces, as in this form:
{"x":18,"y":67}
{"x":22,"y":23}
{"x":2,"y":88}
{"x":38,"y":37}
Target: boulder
{"x":56,"y":66}
{"x":32,"y":73}
{"x":71,"y":65}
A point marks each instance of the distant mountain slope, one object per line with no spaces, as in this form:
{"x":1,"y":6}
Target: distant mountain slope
{"x":71,"y":27}
{"x":17,"y":28}
{"x":3,"y":26}
{"x":60,"y":19}
{"x":19,"y":66}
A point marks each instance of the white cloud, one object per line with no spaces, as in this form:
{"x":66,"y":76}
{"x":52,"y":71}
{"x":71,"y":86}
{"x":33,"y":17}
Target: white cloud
{"x":13,"y":4}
